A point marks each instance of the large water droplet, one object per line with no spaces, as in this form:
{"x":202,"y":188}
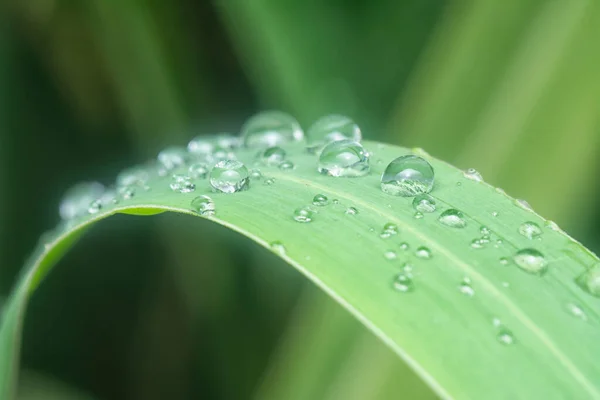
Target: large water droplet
{"x":229,"y":176}
{"x":403,"y":283}
{"x":303,"y":214}
{"x":453,"y":218}
{"x":530,"y":230}
{"x":271,"y":128}
{"x":590,"y":281}
{"x":320,"y":200}
{"x":203,"y":205}
{"x":407,"y":176}
{"x":531,"y":261}
{"x":344,"y":158}
{"x":329,"y":129}
{"x":77,"y":199}
{"x":424,"y":203}
{"x":473,"y":174}
{"x":272,"y":155}
{"x":173,"y":157}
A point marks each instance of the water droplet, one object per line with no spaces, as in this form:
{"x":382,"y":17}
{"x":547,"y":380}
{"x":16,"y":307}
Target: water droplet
{"x":271,"y":128}
{"x":407,"y":176}
{"x":496,"y":322}
{"x":552,"y":226}
{"x":424,"y":203}
{"x":499,"y":243}
{"x":269,"y":181}
{"x":531,"y":261}
{"x":229,"y":176}
{"x":77,"y":199}
{"x":335,"y":201}
{"x":351,"y":211}
{"x":391,"y":228}
{"x":576,"y":311}
{"x":590,"y":281}
{"x":182,"y":184}
{"x":173,"y":157}
{"x":133,"y":176}
{"x":221,"y":154}
{"x":95,"y":206}
{"x":500,"y":190}
{"x":403,"y":283}
{"x":272,"y":155}
{"x":477,"y":244}
{"x":279,"y":248}
{"x":458,"y":183}
{"x":453,"y":218}
{"x":418,"y":215}
{"x":523,"y":204}
{"x":320,"y":200}
{"x":404,"y":246}
{"x":466,"y":288}
{"x":505,"y":336}
{"x":329,"y":129}
{"x":344,"y":158}
{"x":203,"y":205}
{"x":198,"y":170}
{"x":530,"y":230}
{"x":286,"y":166}
{"x":494,"y":213}
{"x":503,"y":260}
{"x":484,"y":230}
{"x":303,"y":214}
{"x":423,"y":252}
{"x":473,"y":174}
{"x":255,"y":174}
{"x":390,"y":255}
{"x":201,"y":146}
{"x":226,"y":141}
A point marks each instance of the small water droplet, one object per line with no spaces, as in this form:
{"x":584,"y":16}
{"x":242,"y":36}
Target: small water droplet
{"x":423,"y":252}
{"x":269,"y":181}
{"x":404,"y":246}
{"x":335,"y":201}
{"x":407,"y":176}
{"x":473,"y":174}
{"x":494,"y":213}
{"x":303,"y":214}
{"x":424,"y":203}
{"x":496,"y":322}
{"x":530,"y":230}
{"x":271,"y":128}
{"x":286,"y":165}
{"x":271,"y":155}
{"x":77,"y":199}
{"x":95,"y":206}
{"x":182,"y":184}
{"x":201,"y":146}
{"x":198,"y":170}
{"x":351,"y":211}
{"x":173,"y":157}
{"x":127,"y":192}
{"x":407,"y":268}
{"x":499,"y":243}
{"x":590,"y":281}
{"x":390,"y":255}
{"x":229,"y":176}
{"x":477,"y":244}
{"x":576,"y":311}
{"x":453,"y":218}
{"x":552,"y":226}
{"x":255,"y":174}
{"x":279,"y":248}
{"x":203,"y":205}
{"x":503,"y":260}
{"x":505,"y":336}
{"x":523,"y":204}
{"x":484,"y":230}
{"x":531,"y":261}
{"x":418,"y":215}
{"x":320,"y":200}
{"x":466,"y":288}
{"x":344,"y":158}
{"x":331,"y":128}
{"x":221,"y":154}
{"x":133,"y":176}
{"x":403,"y":283}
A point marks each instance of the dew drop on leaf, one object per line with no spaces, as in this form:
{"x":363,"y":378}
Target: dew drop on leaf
{"x":269,"y":181}
{"x":303,"y":214}
{"x":95,"y":206}
{"x":418,"y":215}
{"x":390,"y":255}
{"x":279,"y":248}
{"x":503,"y":261}
{"x":530,"y":230}
{"x":407,"y":176}
{"x":552,"y":226}
{"x":329,"y":129}
{"x":505,"y":336}
{"x":273,"y":155}
{"x":271,"y":128}
{"x":126,"y":192}
{"x":423,"y":252}
{"x":403,"y":283}
{"x":576,"y":311}
{"x":453,"y":218}
{"x":286,"y":165}
{"x":182,"y":184}
{"x":484,"y":230}
{"x":404,"y":246}
{"x":351,"y":211}
{"x":320,"y":200}
{"x":477,"y":244}
{"x":466,"y":288}
{"x":590,"y":281}
{"x":424,"y":203}
{"x":203,"y":205}
{"x":229,"y":176}
{"x":77,"y":199}
{"x":531,"y":261}
{"x":523,"y":204}
{"x":344,"y":158}
{"x":473,"y":174}
{"x":255,"y":174}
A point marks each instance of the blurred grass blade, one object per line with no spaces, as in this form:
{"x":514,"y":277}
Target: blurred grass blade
{"x":468,"y":320}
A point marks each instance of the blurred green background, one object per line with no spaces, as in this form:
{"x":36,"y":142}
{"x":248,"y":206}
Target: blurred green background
{"x":173,"y":307}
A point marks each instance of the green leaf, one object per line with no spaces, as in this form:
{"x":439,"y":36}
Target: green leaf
{"x":473,"y":326}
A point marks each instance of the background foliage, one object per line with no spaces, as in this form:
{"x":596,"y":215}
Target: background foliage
{"x":161,"y":307}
